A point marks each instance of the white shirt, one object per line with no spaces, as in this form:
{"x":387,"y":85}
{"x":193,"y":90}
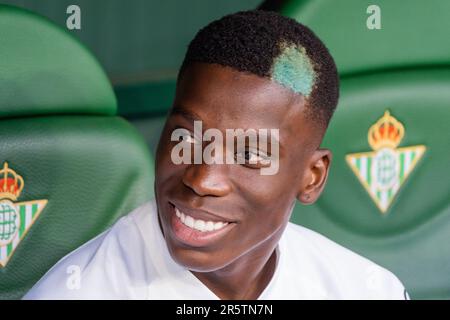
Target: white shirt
{"x":131,"y":261}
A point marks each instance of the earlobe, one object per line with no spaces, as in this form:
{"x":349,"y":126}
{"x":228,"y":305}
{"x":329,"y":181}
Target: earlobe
{"x":316,"y":176}
{"x":305,"y":198}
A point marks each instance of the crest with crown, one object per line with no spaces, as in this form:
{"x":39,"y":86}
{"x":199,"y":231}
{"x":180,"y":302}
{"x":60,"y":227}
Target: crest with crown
{"x":11,"y":184}
{"x":387,"y":132}
{"x":16,"y":218}
{"x":383,"y":171}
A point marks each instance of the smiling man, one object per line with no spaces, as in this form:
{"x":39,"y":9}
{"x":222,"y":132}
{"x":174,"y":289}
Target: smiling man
{"x":221,"y":229}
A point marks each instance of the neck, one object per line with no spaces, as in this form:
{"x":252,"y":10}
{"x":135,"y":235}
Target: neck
{"x":244,"y":278}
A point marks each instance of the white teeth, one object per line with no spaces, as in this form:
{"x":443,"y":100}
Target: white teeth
{"x":218,"y":225}
{"x":189,"y":221}
{"x":198,"y":224}
{"x":209,"y":226}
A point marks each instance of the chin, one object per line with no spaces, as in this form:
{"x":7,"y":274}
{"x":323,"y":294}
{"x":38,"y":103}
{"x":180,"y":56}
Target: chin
{"x":197,"y":260}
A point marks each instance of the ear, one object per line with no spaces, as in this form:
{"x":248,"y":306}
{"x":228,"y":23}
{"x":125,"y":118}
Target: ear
{"x":315,"y":176}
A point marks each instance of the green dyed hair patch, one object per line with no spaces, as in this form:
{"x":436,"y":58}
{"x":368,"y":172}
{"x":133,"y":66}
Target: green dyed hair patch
{"x":294,"y":70}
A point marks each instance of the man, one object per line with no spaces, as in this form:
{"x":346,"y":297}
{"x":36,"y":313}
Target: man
{"x":221,"y":230}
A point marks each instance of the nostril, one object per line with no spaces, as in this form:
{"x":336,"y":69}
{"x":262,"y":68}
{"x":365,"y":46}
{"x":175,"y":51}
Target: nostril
{"x":206,"y":182}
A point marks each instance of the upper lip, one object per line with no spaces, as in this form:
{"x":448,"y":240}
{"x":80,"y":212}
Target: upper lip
{"x":200,"y":213}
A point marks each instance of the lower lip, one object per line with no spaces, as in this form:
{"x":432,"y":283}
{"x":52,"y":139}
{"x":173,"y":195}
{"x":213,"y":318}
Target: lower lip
{"x":196,"y":238}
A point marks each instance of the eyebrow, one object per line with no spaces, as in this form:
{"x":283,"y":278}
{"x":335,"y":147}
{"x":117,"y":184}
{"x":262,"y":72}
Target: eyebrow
{"x":189,"y":115}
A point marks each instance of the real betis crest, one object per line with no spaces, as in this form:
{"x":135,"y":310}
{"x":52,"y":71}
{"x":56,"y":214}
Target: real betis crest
{"x":16,"y":218}
{"x":383,"y":171}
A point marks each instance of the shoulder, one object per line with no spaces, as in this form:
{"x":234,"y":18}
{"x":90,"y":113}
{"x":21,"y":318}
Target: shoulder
{"x":110,"y":266}
{"x":344,"y":273}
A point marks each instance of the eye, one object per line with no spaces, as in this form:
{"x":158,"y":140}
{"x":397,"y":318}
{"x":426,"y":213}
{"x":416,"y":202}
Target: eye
{"x":253,"y":158}
{"x":189,"y":138}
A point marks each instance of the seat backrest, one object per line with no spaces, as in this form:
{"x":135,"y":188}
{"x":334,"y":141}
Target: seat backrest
{"x":387,"y":195}
{"x":68,"y":166}
{"x":146,"y":106}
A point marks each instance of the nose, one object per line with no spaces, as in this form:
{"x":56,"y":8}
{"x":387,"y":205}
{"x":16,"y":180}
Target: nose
{"x":208,"y":179}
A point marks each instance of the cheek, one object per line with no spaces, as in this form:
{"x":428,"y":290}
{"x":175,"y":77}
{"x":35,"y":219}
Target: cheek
{"x":272,"y":193}
{"x":269,"y":200}
{"x":163,"y":161}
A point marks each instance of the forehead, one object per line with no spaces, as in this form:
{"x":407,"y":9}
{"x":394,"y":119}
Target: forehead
{"x":223,"y":96}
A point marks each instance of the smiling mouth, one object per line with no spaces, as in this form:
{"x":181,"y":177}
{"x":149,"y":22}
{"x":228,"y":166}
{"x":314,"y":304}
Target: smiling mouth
{"x":197,"y":232}
{"x":198,"y":224}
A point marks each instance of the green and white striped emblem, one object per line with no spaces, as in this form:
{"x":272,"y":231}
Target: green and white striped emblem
{"x":16,"y":218}
{"x":15,"y":221}
{"x":383,"y":171}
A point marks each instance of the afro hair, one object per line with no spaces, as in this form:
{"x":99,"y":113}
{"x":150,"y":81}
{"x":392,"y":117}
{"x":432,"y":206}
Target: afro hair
{"x":273,"y":46}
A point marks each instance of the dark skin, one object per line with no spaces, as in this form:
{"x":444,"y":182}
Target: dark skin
{"x":241,"y":264}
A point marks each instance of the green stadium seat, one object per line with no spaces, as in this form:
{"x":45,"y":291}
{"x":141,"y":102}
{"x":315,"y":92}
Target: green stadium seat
{"x":69,"y":167}
{"x":146,"y":105}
